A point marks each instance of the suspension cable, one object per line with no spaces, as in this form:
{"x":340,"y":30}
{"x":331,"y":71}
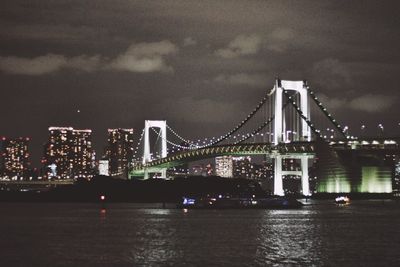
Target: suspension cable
{"x":255,"y":131}
{"x":231,"y":132}
{"x":260,"y":127}
{"x":172,"y":143}
{"x":243,"y":122}
{"x":289,"y":98}
{"x":180,"y":137}
{"x":327,"y":114}
{"x":138,"y":144}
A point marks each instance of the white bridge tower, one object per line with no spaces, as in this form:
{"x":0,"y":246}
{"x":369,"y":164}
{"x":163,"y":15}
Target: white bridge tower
{"x":280,"y":134}
{"x":162,"y":125}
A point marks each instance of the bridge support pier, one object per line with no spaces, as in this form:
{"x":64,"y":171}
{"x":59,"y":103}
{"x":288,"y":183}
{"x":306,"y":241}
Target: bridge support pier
{"x":280,"y":134}
{"x":278,"y":180}
{"x":279,"y":173}
{"x":279,"y":113}
{"x":162,"y":125}
{"x":305,"y":184}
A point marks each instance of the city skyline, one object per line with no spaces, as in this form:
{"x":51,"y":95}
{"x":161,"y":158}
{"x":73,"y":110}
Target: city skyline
{"x":199,"y":133}
{"x":99,"y":65}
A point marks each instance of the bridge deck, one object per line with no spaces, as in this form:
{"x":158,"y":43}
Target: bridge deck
{"x":231,"y":149}
{"x":373,"y":144}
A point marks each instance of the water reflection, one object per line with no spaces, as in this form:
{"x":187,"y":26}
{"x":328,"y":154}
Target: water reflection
{"x":288,"y":237}
{"x":154,"y":239}
{"x":157,"y":211}
{"x":103,"y":213}
{"x":323,"y":234}
{"x":253,"y":237}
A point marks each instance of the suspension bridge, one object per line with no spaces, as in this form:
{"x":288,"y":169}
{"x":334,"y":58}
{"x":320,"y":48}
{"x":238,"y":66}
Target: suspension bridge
{"x":287,"y":123}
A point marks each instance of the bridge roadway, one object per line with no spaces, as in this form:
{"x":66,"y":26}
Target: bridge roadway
{"x":389,"y":145}
{"x":176,"y":159}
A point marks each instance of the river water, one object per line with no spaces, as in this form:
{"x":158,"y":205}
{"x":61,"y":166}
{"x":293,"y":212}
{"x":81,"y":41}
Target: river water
{"x":364,"y":233}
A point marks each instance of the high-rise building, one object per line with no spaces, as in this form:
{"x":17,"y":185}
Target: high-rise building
{"x":263,"y":170}
{"x":243,"y":167}
{"x":201,"y":169}
{"x":14,"y":158}
{"x":103,"y":167}
{"x":396,"y":182}
{"x":119,"y":151}
{"x":68,"y":153}
{"x":2,"y":154}
{"x":224,"y":166}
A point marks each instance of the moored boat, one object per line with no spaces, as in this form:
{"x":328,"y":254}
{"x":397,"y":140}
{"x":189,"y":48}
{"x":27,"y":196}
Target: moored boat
{"x":342,"y":200}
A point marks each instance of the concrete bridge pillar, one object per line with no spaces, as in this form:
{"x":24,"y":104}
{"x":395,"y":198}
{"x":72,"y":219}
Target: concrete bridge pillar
{"x":162,"y":125}
{"x":305,"y":184}
{"x":279,"y":173}
{"x":279,"y":114}
{"x":278,"y":181}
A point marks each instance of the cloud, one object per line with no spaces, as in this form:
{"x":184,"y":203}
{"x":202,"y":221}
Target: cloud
{"x":278,"y":41}
{"x":253,"y":80}
{"x":188,"y":41}
{"x":32,"y":66}
{"x":332,"y":103}
{"x":241,"y":45}
{"x":372,"y":102}
{"x":47,"y":64}
{"x":140,"y":57}
{"x":145,"y":57}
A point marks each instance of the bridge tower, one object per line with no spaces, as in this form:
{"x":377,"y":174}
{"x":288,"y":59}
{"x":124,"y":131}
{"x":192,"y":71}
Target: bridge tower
{"x":162,"y":125}
{"x":280,"y":133}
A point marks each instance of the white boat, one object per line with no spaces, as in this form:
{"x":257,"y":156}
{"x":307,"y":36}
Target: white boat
{"x":342,"y":200}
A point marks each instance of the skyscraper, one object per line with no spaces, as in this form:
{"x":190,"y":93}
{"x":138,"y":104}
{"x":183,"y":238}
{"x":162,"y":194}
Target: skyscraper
{"x":396,"y":181}
{"x":14,"y":158}
{"x":243,"y":167}
{"x":103,"y":167}
{"x":119,"y":151}
{"x":68,"y":153}
{"x":224,"y":166}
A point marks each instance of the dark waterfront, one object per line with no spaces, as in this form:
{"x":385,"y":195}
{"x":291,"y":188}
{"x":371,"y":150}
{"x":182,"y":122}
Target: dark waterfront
{"x":365,"y":233}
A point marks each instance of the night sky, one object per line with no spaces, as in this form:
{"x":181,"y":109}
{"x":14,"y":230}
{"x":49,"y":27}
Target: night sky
{"x":201,"y":65}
